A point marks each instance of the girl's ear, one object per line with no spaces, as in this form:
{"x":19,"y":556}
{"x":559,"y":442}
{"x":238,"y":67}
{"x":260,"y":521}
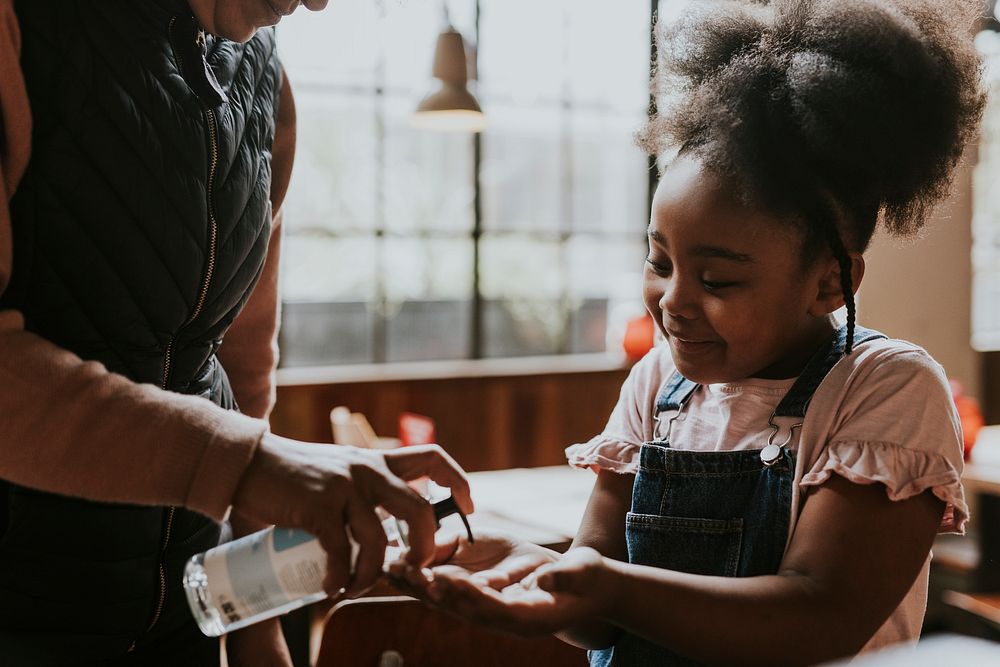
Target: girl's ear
{"x":830,"y":289}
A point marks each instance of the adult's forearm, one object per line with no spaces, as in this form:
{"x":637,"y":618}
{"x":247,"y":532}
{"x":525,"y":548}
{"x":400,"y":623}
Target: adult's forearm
{"x":71,"y":427}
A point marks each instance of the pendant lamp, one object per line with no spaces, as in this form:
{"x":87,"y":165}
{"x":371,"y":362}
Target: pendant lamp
{"x":451,"y":106}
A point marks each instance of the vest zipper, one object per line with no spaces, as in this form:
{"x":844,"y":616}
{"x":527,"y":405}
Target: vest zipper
{"x":213,"y":233}
{"x":213,"y":227}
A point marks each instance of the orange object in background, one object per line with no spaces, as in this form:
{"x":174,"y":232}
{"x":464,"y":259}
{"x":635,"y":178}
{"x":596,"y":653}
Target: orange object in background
{"x":638,"y":337}
{"x":969,"y":414}
{"x":416,"y":429}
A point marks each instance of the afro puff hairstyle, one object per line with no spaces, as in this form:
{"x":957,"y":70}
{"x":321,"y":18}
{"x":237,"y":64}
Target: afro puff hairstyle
{"x":832,"y":114}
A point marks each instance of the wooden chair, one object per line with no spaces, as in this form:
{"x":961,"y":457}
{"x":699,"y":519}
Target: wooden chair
{"x":399,"y":631}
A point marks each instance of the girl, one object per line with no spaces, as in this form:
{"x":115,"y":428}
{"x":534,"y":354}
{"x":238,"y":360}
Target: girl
{"x":770,"y":482}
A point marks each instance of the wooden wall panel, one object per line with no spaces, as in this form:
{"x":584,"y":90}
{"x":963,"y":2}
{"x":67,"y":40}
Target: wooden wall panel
{"x":486,"y":423}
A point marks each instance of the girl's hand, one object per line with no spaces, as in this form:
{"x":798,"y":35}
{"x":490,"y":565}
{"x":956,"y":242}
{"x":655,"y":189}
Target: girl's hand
{"x":522,"y":606}
{"x":582,"y":571}
{"x":495,"y":559}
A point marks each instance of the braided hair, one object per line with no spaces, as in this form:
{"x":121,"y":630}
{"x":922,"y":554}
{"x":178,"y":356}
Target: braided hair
{"x":835,"y":115}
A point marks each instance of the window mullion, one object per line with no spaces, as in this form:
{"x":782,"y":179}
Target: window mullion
{"x":380,"y":324}
{"x":477,"y":305}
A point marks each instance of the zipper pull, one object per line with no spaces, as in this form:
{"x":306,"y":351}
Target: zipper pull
{"x":209,"y":89}
{"x":193,"y":43}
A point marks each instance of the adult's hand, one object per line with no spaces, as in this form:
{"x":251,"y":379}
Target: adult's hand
{"x":324,"y":489}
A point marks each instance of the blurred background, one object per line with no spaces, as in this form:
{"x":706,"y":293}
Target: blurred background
{"x":406,"y":244}
{"x":485,"y":278}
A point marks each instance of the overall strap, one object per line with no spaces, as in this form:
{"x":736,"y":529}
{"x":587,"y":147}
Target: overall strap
{"x":797,"y":399}
{"x":674,"y":392}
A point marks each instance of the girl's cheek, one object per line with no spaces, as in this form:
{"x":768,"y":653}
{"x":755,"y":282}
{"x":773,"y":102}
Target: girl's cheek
{"x":730,"y":321}
{"x":651,"y":297}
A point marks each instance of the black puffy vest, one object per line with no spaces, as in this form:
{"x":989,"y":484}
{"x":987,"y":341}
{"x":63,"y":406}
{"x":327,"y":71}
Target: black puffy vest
{"x":140,"y":228}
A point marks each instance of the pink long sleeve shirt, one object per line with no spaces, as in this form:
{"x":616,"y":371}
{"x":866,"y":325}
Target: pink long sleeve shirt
{"x":71,"y":427}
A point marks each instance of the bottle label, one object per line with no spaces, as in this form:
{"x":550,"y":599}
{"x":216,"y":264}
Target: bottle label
{"x":263,"y":571}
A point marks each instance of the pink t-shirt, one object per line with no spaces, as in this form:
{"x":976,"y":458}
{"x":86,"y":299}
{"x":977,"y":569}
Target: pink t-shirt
{"x":884,"y":414}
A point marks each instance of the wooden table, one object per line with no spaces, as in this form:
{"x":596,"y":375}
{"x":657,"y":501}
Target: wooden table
{"x":980,"y":559}
{"x":540,"y":505}
{"x":983,"y":605}
{"x":980,"y":478}
{"x":983,"y":481}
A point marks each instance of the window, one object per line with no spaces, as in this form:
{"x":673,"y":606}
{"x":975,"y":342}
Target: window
{"x":386,"y":257}
{"x":985,"y":207}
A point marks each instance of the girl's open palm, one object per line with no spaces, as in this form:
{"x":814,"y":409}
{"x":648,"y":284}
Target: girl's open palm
{"x":521,"y":605}
{"x":495,"y":559}
{"x":494,"y":581}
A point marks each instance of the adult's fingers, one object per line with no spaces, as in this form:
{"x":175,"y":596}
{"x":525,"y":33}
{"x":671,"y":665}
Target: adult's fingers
{"x":445,"y":550}
{"x":335,"y":542}
{"x":404,"y":503}
{"x":367,"y":531}
{"x":432,"y":461}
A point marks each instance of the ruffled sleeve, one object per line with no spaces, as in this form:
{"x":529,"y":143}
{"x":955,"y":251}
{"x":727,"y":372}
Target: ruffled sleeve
{"x":605,"y":452}
{"x":904,"y":473}
{"x":631,"y":423}
{"x":889,"y":419}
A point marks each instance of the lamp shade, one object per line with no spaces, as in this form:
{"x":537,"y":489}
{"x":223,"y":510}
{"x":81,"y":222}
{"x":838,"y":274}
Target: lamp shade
{"x":449,"y":58}
{"x":451,"y":106}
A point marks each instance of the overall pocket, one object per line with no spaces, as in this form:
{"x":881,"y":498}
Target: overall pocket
{"x":685,"y":544}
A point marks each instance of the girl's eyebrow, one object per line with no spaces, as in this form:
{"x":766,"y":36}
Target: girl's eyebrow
{"x":715,"y":252}
{"x":723,"y":253}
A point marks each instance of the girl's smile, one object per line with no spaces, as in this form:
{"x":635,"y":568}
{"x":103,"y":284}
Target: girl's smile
{"x":728,"y":284}
{"x":690,"y":347}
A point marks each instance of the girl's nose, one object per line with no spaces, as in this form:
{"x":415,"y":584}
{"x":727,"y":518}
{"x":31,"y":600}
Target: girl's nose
{"x":676,"y":299}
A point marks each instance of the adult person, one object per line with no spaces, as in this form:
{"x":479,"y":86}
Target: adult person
{"x":146,"y":147}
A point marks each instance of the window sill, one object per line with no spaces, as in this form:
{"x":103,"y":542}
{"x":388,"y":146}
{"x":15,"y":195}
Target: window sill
{"x":451,"y":369}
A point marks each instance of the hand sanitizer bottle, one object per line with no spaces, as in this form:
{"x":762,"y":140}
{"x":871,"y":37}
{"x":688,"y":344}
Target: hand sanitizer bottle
{"x":272,"y":572}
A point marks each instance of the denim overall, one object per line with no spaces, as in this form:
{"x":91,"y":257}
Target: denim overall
{"x":715,"y":513}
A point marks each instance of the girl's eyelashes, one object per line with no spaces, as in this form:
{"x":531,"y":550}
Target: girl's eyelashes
{"x":658,"y":269}
{"x":715,"y":285}
{"x":664,"y":269}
